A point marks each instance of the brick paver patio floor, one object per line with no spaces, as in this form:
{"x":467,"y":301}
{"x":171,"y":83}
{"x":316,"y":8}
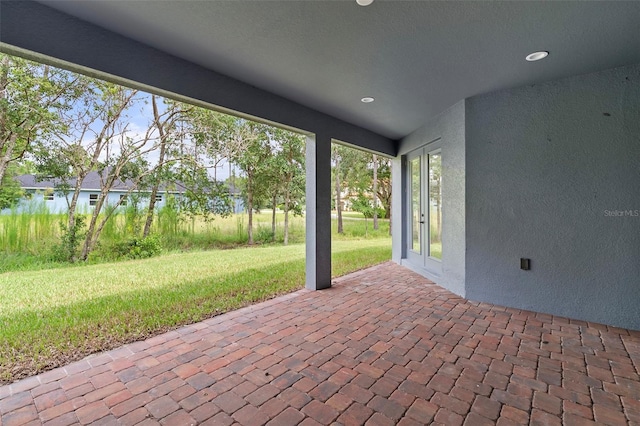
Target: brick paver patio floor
{"x":382,"y":346}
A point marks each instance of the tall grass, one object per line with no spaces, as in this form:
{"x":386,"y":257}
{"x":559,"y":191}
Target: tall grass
{"x":28,"y":229}
{"x":29,"y":236}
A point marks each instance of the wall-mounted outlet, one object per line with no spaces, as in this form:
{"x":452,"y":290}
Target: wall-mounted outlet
{"x":525,"y":264}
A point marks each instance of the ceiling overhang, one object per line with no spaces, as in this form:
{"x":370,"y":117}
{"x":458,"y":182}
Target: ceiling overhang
{"x":307,"y":64}
{"x":84,"y":47}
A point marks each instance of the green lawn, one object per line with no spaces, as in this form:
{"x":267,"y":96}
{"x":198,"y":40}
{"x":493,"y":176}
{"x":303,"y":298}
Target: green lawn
{"x":53,"y":316}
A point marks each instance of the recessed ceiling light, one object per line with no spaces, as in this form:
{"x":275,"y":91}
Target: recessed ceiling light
{"x":364,"y":2}
{"x":536,"y":56}
{"x":367,"y":100}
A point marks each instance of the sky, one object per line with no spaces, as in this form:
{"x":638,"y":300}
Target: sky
{"x":138,"y":121}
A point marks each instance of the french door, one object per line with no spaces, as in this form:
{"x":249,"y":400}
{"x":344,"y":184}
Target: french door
{"x":424,"y":190}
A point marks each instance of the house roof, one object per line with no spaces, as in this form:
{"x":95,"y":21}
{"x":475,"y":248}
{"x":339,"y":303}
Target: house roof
{"x":90,"y":183}
{"x":416,"y":58}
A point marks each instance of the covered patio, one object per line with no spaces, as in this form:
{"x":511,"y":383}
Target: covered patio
{"x":381,"y":346}
{"x":538,"y":197}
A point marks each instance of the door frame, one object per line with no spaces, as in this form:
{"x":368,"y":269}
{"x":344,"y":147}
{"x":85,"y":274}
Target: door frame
{"x":421,"y":258}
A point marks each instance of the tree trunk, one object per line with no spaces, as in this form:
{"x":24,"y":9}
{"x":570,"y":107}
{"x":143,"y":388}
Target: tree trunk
{"x":338,"y":200}
{"x":286,"y":216}
{"x":250,"y":210}
{"x":150,"y":211}
{"x":71,"y":212}
{"x":6,"y":156}
{"x":390,"y":218}
{"x":273,"y":217}
{"x":375,"y":192}
{"x":6,"y":144}
{"x":156,"y":182}
{"x":89,"y":239}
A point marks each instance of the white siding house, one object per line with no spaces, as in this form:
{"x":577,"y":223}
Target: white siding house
{"x":56,"y":201}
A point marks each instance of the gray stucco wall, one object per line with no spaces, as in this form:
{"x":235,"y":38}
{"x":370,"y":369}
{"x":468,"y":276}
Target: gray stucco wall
{"x":544,"y":165}
{"x":449,"y":128}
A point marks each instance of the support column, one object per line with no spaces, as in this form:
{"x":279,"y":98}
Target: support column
{"x":318,"y":212}
{"x":399,"y":213}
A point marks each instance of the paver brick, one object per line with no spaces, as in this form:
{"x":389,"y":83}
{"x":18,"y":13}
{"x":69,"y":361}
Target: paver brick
{"x":339,"y":401}
{"x":447,"y":417}
{"x":63,"y":420}
{"x":262,"y":394}
{"x":607,"y":415}
{"x":357,"y":393}
{"x":131,"y":404}
{"x":451,"y":403}
{"x":179,"y":417}
{"x":290,"y":416}
{"x":50,"y":399}
{"x":389,"y":408}
{"x":441,"y":383}
{"x":60,"y":409}
{"x":229,"y":402}
{"x":250,"y":416}
{"x":514,"y":414}
{"x":356,"y":414}
{"x":475,"y":419}
{"x":273,"y":407}
{"x":569,"y":419}
{"x":385,"y":346}
{"x":220,"y":419}
{"x":294,"y":398}
{"x":92,"y":412}
{"x":162,"y":407}
{"x":134,"y":417}
{"x":378,"y":419}
{"x":547,"y":403}
{"x":320,"y":412}
{"x":21,"y":416}
{"x":423,"y":411}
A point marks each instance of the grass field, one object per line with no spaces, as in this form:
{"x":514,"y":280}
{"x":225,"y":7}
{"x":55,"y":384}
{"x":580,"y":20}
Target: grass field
{"x":28,"y":241}
{"x":49,"y":317}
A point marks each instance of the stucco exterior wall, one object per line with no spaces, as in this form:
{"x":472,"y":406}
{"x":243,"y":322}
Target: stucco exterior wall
{"x":548,"y":169}
{"x":447,"y":130}
{"x":59,"y":204}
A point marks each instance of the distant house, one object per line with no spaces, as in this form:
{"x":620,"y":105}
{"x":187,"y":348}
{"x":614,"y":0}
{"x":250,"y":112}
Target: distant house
{"x":37,"y":191}
{"x":56,"y":202}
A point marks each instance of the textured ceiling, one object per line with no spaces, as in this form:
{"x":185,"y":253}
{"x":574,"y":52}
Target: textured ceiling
{"x":416,"y":58}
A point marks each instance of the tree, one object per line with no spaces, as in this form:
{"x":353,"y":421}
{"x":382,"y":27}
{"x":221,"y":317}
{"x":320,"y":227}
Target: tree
{"x":384,"y":185}
{"x":289,"y":167}
{"x":32,"y":96}
{"x":337,"y":154}
{"x":94,"y":138}
{"x":249,"y":148}
{"x":351,"y":174}
{"x":168,"y":132}
{"x":10,"y":190}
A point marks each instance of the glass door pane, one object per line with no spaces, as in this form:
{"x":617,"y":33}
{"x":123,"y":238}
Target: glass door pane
{"x":435,"y":205}
{"x":416,"y":211}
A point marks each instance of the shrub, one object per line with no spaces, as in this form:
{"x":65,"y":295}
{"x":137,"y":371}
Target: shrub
{"x":263,"y":235}
{"x":138,"y":248}
{"x":67,"y":250}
